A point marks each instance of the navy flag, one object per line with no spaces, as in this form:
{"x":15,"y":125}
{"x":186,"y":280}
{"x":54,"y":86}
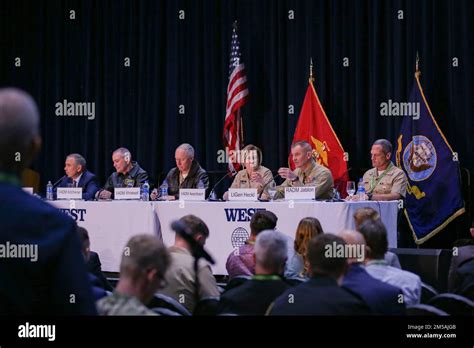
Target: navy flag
{"x":434,"y":183}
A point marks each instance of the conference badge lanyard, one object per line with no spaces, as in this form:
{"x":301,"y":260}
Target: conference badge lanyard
{"x":9,"y":179}
{"x":375,"y":182}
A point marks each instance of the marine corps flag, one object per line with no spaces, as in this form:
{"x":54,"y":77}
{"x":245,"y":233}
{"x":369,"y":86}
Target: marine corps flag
{"x":314,"y":127}
{"x":433,"y":192}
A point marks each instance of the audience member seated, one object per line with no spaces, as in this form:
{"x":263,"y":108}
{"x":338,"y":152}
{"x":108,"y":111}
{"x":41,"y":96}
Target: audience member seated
{"x":296,"y":267}
{"x":254,"y":296}
{"x":50,"y":267}
{"x":321,"y":294}
{"x":375,"y":235}
{"x":180,"y":278}
{"x":461,"y":271}
{"x":382,"y":298}
{"x":241,"y":261}
{"x":97,"y":291}
{"x":367,"y":213}
{"x":142,"y":270}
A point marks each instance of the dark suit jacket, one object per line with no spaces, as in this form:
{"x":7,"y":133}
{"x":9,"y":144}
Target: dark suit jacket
{"x":320,"y":295}
{"x":43,"y":286}
{"x":88,"y":182}
{"x":95,"y":267}
{"x":252,"y":297}
{"x":382,"y":298}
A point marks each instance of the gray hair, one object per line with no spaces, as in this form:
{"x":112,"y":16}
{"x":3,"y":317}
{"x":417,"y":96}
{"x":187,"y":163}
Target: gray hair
{"x":19,"y":126}
{"x":352,"y":237}
{"x":142,"y":252}
{"x":271,"y":250}
{"x":187,"y":148}
{"x":386,"y":145}
{"x":79,"y":160}
{"x":124,"y":152}
{"x":304,"y":145}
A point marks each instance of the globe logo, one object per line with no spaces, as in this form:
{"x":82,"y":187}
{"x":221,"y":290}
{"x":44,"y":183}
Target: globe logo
{"x":239,"y":237}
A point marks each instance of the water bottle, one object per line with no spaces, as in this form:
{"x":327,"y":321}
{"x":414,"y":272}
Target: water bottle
{"x":49,"y":191}
{"x":145,"y":191}
{"x":164,"y":190}
{"x":361,"y":190}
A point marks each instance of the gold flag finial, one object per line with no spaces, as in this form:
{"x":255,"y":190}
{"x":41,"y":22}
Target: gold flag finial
{"x":311,"y":78}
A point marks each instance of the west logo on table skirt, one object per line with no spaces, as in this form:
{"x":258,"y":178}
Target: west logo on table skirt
{"x":240,"y":214}
{"x":76,"y":214}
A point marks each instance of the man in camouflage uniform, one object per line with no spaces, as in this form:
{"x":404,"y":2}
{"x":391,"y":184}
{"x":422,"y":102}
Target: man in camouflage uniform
{"x":142,"y":271}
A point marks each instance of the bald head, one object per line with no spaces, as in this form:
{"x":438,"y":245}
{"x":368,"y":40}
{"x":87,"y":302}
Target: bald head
{"x":19,"y":129}
{"x":356,"y":240}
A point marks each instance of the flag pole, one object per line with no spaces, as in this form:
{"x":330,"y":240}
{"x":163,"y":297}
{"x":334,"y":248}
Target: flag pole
{"x":417,"y":63}
{"x":311,"y":78}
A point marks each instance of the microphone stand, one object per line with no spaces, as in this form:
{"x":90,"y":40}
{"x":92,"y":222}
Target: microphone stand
{"x":212,"y":194}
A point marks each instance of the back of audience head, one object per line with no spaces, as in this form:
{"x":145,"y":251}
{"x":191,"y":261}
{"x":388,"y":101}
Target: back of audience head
{"x":85,"y":242}
{"x":375,"y":235}
{"x":197,"y":227}
{"x":324,"y":263}
{"x":262,"y":220}
{"x":19,"y":129}
{"x":270,"y":252}
{"x":364,"y":214}
{"x":144,"y":263}
{"x":356,"y":239}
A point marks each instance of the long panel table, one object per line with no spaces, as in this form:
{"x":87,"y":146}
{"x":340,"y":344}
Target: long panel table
{"x":112,"y":223}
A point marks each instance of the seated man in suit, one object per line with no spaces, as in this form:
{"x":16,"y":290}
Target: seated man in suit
{"x":382,"y":298}
{"x":254,"y":296}
{"x":128,"y":174}
{"x":78,"y":176}
{"x":321,"y":294}
{"x":50,"y":267}
{"x":97,"y":290}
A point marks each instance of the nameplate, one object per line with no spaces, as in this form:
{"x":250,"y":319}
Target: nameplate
{"x":302,"y":192}
{"x":127,"y":193}
{"x":243,"y":195}
{"x":69,"y":193}
{"x":28,"y":189}
{"x":191,"y":194}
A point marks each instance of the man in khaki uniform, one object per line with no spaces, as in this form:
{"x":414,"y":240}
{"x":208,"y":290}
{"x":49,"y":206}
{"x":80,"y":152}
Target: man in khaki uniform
{"x":254,"y":175}
{"x":180,"y":278}
{"x":384,"y":182}
{"x":307,"y":173}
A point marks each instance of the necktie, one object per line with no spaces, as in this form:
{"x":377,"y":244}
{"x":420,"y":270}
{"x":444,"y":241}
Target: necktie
{"x":75,"y":183}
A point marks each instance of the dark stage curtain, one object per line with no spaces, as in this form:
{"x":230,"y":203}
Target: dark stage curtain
{"x":178,"y":63}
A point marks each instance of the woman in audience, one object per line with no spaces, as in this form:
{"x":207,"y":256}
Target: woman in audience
{"x":297,"y":266}
{"x":363,"y":214}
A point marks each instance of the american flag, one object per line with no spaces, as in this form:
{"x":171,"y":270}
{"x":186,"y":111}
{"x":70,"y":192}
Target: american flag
{"x":237,"y":96}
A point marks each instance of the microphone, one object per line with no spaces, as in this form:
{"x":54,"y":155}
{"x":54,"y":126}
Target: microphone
{"x":57,"y":182}
{"x":234,"y":173}
{"x":196,"y":249}
{"x":266,"y":184}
